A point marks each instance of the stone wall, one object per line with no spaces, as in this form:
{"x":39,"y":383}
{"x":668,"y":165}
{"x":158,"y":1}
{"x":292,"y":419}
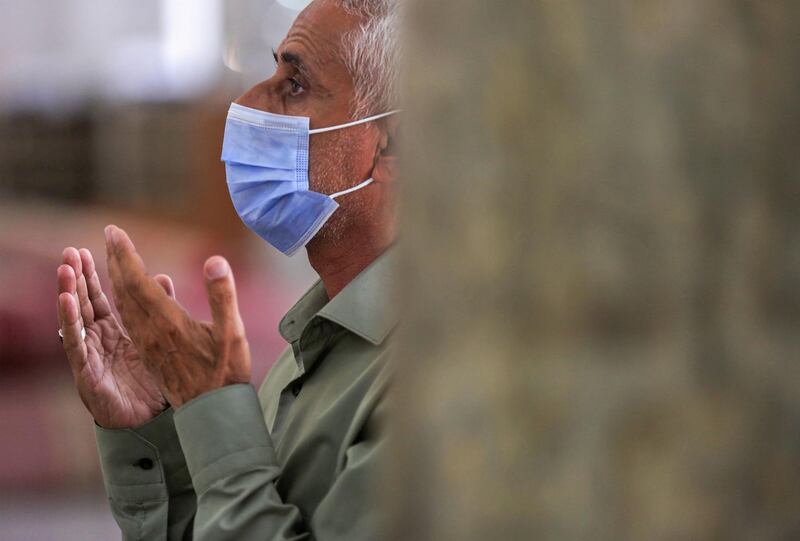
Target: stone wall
{"x":601,"y":274}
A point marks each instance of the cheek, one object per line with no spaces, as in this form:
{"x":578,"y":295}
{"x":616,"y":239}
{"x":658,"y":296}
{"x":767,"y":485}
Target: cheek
{"x":338,"y":161}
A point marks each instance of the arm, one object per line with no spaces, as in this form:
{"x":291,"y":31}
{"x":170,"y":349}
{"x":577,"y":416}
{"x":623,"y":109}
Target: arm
{"x":143,"y":468}
{"x":234,"y":469}
{"x":202,"y":368}
{"x":147,"y":481}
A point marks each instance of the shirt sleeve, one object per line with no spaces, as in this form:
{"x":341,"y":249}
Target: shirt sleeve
{"x":233,"y":466}
{"x":147,"y":480}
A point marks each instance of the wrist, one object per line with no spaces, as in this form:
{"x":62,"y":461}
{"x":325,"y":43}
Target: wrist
{"x":184,"y":399}
{"x":181,"y":396}
{"x":129,"y":420}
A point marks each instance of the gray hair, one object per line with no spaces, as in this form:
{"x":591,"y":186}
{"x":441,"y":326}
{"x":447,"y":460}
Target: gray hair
{"x":371,"y":54}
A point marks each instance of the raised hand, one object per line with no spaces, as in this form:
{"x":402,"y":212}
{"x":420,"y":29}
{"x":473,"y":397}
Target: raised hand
{"x":109,"y":374}
{"x":187,"y":357}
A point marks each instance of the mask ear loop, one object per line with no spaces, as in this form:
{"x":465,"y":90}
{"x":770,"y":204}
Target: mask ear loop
{"x":356,"y":123}
{"x":353,"y":189}
{"x":350,"y":125}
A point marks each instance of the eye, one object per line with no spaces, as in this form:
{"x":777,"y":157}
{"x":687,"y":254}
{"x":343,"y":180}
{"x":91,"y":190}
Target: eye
{"x":295,"y":88}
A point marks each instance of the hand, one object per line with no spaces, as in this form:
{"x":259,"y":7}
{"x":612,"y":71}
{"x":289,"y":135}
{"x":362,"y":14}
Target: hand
{"x":187,"y":357}
{"x":111,"y":379}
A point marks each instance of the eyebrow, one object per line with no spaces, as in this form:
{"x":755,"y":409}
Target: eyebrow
{"x":294,"y":60}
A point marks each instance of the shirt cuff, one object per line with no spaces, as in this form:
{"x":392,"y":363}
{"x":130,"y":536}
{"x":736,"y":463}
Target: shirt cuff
{"x":144,"y":463}
{"x":223,"y":433}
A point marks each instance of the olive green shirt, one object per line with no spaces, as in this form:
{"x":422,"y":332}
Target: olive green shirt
{"x":298,"y":460}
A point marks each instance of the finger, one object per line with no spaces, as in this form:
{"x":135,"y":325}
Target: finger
{"x":65,"y":279}
{"x":71,"y":326}
{"x":100,"y":303}
{"x":128,"y":309}
{"x":117,"y":291}
{"x":120,"y":293}
{"x":72,"y":258}
{"x":142,"y":318}
{"x":221,"y":290}
{"x":166,"y":284}
{"x":134,"y":279}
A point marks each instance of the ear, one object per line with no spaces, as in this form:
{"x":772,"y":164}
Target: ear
{"x":385,"y":164}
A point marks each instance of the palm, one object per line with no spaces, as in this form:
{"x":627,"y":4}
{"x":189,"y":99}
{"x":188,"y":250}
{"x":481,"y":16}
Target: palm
{"x":122,"y":393}
{"x":111,"y":379}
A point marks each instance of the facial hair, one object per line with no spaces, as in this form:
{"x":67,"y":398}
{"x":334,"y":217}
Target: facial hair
{"x":333,"y":171}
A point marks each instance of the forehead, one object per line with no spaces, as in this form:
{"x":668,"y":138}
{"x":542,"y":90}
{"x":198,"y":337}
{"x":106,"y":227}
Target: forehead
{"x":317,"y":32}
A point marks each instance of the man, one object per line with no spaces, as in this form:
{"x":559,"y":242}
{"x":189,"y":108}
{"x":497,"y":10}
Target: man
{"x":188,"y":450}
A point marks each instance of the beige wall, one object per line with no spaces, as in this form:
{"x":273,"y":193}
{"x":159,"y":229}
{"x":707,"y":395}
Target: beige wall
{"x":601,"y":273}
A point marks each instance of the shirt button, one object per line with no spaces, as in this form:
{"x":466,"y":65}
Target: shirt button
{"x":145,"y":464}
{"x":296,"y":388}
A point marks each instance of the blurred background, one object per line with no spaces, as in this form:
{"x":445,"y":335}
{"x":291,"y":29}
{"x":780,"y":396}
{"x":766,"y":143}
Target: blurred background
{"x":113,"y":112}
{"x":600,"y":333}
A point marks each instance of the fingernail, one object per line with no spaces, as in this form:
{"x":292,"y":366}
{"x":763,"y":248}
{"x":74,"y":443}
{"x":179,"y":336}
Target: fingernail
{"x":107,"y":231}
{"x":216,"y":268}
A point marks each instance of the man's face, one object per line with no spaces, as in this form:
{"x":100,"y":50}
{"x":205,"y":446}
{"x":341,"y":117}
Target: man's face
{"x":311,"y":80}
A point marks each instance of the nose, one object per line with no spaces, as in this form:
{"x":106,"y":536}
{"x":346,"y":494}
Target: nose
{"x":263,"y":96}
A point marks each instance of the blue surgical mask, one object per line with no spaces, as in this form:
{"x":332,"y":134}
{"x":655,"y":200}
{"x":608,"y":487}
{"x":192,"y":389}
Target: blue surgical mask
{"x":266,"y":163}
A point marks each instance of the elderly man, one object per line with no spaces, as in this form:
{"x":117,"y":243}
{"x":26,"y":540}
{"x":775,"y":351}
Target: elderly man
{"x":187,"y":447}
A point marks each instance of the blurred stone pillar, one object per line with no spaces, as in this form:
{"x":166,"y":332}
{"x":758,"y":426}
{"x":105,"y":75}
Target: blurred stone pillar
{"x":601,"y":272}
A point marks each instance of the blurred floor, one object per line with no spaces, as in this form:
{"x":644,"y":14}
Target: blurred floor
{"x":61,"y":516}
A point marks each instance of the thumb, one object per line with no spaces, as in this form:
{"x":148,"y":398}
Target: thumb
{"x":222,"y":297}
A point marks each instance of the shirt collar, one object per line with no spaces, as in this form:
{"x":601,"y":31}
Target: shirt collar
{"x":364,"y":306}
